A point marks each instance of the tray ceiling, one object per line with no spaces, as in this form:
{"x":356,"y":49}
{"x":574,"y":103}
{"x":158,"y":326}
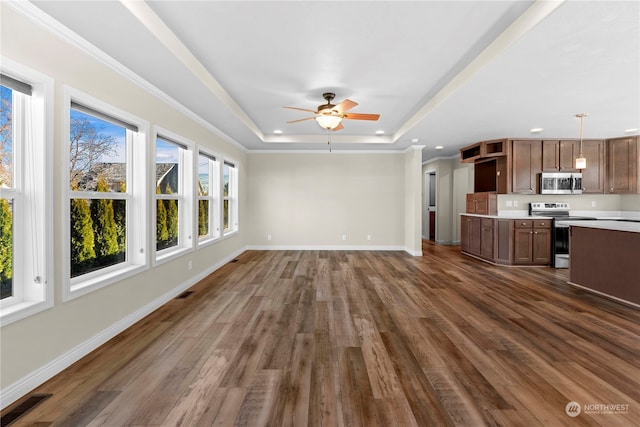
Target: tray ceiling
{"x":438,"y":72}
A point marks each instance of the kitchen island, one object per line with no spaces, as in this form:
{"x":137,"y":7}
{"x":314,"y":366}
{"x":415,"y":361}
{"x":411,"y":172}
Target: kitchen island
{"x":605,"y":258}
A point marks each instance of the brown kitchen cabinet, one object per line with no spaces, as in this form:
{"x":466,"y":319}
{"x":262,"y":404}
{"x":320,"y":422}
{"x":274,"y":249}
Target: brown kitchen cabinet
{"x":487,"y":238}
{"x":560,"y":155}
{"x":477,"y":236}
{"x":470,"y":234}
{"x":622,"y":165}
{"x":506,"y":241}
{"x":532,"y":242}
{"x":526,"y":164}
{"x":482,"y":203}
{"x":594,"y":175}
{"x":483,"y":150}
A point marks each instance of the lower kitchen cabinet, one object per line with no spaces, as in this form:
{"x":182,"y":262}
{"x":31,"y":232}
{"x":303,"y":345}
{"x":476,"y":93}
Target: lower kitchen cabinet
{"x":532,"y":242}
{"x":477,"y":236}
{"x":470,"y":234}
{"x":507,"y":241}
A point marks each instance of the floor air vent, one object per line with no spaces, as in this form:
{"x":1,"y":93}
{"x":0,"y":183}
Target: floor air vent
{"x":24,"y":407}
{"x":184,"y":295}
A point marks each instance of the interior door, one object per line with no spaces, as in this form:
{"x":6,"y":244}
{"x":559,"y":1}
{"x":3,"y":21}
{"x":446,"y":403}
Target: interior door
{"x":430,"y":208}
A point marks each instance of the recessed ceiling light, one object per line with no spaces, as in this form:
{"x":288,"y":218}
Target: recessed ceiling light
{"x":379,"y":132}
{"x":631,"y":130}
{"x":277,"y":131}
{"x":439,"y":147}
{"x":536,"y":130}
{"x":414,"y":140}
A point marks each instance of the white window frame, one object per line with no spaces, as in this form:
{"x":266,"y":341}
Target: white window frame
{"x":231,"y":197}
{"x":32,"y":192}
{"x":184,"y":197}
{"x":137,"y":259}
{"x":215,"y":232}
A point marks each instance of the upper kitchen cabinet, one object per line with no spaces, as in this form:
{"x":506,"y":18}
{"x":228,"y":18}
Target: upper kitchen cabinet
{"x":593,"y":176}
{"x":622,"y":165}
{"x":559,"y":155}
{"x":483,"y":150}
{"x":482,"y":203}
{"x":526,"y":161}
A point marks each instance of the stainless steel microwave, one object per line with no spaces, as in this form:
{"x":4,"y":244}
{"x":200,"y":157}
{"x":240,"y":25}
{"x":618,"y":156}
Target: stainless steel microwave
{"x":560,"y":183}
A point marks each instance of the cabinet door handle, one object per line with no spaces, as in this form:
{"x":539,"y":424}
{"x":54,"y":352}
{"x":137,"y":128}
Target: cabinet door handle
{"x":531,"y":232}
{"x":535,"y":232}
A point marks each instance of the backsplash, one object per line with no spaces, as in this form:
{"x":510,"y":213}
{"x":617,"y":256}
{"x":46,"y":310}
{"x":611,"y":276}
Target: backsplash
{"x":585,"y":202}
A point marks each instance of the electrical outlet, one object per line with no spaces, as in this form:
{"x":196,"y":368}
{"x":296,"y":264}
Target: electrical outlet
{"x":268,"y":236}
{"x":593,"y":203}
{"x":515,"y":203}
{"x":344,"y":237}
{"x":189,"y":265}
{"x":509,"y":203}
{"x":368,"y":236}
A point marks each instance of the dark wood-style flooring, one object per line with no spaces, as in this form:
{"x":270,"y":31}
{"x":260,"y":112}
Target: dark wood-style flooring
{"x":357,"y":338}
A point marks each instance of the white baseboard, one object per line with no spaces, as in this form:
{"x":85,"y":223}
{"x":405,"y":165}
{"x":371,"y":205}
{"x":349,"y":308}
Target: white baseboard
{"x":324,"y":248}
{"x":23,"y":386}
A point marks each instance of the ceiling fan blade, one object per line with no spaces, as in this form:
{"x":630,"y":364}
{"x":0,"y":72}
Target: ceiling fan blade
{"x":301,"y":120}
{"x":345,"y":105}
{"x":301,"y":109}
{"x":338,"y":127}
{"x":359,"y":116}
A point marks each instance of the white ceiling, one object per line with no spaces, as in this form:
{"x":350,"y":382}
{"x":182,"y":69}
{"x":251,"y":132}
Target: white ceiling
{"x":439,"y":72}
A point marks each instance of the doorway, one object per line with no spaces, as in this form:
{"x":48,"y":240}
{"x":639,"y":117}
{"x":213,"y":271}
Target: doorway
{"x":430,"y":184}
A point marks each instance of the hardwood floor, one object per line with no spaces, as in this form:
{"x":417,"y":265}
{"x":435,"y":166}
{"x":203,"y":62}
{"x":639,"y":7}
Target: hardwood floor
{"x":348,"y":338}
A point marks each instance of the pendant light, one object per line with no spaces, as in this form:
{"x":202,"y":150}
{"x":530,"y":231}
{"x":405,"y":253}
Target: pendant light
{"x":581,"y":161}
{"x":328,"y":121}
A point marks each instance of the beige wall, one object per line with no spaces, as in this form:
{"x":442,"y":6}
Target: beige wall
{"x":313,"y":199}
{"x":37,"y":341}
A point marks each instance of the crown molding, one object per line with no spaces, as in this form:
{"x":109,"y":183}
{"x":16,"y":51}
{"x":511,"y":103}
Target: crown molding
{"x":57,"y":29}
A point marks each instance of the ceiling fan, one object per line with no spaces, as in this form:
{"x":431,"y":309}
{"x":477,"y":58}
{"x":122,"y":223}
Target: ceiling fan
{"x":329,"y":116}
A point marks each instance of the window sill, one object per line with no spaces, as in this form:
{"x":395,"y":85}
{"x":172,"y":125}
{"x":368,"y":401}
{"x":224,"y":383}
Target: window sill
{"x":22,"y":310}
{"x":230,"y":234}
{"x":171,"y":254}
{"x":208,"y":242}
{"x":87,"y":286}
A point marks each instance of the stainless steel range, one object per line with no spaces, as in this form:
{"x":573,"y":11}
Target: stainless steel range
{"x":560,"y":213}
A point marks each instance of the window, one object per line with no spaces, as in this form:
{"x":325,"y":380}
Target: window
{"x":105,"y":206}
{"x":208,"y":198}
{"x":172,"y":196}
{"x":25,"y":192}
{"x":230,"y":197}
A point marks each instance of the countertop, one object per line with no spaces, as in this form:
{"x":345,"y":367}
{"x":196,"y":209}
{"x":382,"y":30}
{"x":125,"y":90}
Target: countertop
{"x":515,"y":215}
{"x":631,"y":226}
{"x":605,"y":223}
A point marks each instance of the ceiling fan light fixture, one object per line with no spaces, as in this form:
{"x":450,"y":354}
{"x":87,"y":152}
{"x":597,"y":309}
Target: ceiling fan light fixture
{"x":327,"y":121}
